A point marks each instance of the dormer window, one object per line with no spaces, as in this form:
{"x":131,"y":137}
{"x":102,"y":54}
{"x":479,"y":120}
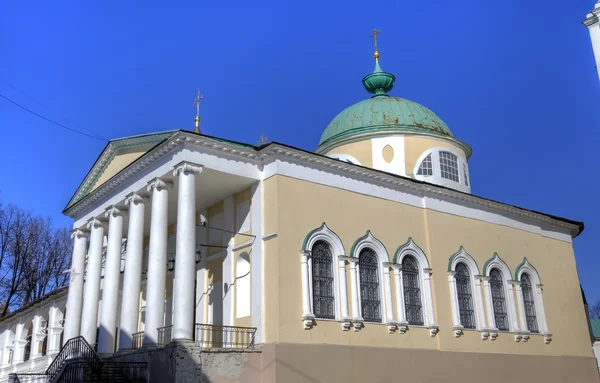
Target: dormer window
{"x":426,"y":167}
{"x":449,"y":166}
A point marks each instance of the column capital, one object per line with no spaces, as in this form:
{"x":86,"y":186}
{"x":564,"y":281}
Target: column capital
{"x":135,"y":198}
{"x":187,"y":167}
{"x":483,"y":278}
{"x":159,"y":184}
{"x":96,"y":223}
{"x":342,"y":258}
{"x":397,"y":266}
{"x":79,"y":233}
{"x":514,"y":283}
{"x":114,"y":211}
{"x":451,"y":273}
{"x":305,"y":253}
{"x":353,"y":260}
{"x":387,"y":264}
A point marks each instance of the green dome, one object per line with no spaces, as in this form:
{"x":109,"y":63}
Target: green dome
{"x":383,"y":113}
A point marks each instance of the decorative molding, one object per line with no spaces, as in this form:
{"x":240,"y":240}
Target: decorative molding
{"x":273,"y":152}
{"x":187,"y":167}
{"x":269,"y":236}
{"x":79,"y":233}
{"x":433,"y":330}
{"x":114,"y":212}
{"x":136,"y":199}
{"x":158,"y":184}
{"x":308,"y":321}
{"x":547,"y":338}
{"x":357,"y":324}
{"x":346,"y":324}
{"x":493,"y":335}
{"x":485,"y":334}
{"x":402,"y":327}
{"x":95,"y":223}
{"x":458,"y":331}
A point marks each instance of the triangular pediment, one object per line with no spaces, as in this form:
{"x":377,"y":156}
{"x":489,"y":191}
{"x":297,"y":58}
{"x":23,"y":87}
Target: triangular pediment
{"x":116,"y":156}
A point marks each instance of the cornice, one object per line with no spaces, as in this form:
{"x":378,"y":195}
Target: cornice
{"x":274,"y":151}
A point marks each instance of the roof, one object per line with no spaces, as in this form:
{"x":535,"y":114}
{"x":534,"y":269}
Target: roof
{"x":595,"y":327}
{"x":54,"y":293}
{"x":265,"y":147}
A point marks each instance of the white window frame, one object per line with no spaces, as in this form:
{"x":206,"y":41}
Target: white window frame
{"x":480,"y":323}
{"x":495,"y":262}
{"x":322,"y":233}
{"x":436,"y":178}
{"x":540,"y":312}
{"x":412,"y":249}
{"x":369,"y":241}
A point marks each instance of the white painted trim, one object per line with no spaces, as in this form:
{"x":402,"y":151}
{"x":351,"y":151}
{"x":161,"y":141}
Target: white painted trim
{"x":201,"y":288}
{"x":498,"y":263}
{"x":257,"y":261}
{"x":540,"y":312}
{"x":411,"y":248}
{"x":323,"y":233}
{"x":369,"y":241}
{"x":467,"y":259}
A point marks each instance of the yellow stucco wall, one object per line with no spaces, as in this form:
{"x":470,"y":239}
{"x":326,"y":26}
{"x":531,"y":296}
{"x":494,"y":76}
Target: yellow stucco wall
{"x":118,"y":163}
{"x":361,"y":150}
{"x":294,"y":207}
{"x":414,"y":146}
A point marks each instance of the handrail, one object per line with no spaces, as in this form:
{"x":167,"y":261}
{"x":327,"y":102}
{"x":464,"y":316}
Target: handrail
{"x":137,"y":340}
{"x":103,"y":371}
{"x":164,"y":335}
{"x":218,"y":336}
{"x":74,"y":348}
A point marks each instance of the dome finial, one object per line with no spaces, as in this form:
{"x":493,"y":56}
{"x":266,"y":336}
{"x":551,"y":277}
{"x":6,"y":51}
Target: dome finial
{"x":374,"y":37}
{"x":378,"y":82}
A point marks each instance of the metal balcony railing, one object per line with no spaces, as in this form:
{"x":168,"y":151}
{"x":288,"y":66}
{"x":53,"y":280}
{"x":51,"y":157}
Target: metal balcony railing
{"x":164,"y":335}
{"x":216,"y":336}
{"x":137,"y":340}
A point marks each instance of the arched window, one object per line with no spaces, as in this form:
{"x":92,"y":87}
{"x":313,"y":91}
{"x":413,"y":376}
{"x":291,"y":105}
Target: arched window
{"x":499,"y":300}
{"x":449,"y":166}
{"x":412,"y":291}
{"x":369,"y":286}
{"x":322,"y":281}
{"x":426,"y":167}
{"x":529,"y":303}
{"x":465,"y":296}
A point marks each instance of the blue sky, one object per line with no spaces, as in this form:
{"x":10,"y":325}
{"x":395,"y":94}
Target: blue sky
{"x":515,"y":79}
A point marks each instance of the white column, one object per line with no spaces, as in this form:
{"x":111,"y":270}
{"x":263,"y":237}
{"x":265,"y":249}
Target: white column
{"x":541,"y":313}
{"x":430,"y":317}
{"x":256,"y":261}
{"x":112,"y":278}
{"x":457,"y":326}
{"x":520,"y":307}
{"x":479,"y":308}
{"x":514,"y":317}
{"x":91,"y":297}
{"x":389,"y":310}
{"x":307,"y":315}
{"x":157,"y":260}
{"x":54,"y":330}
{"x":75,"y":294}
{"x":185,"y":258}
{"x":344,"y":292}
{"x":400,"y":308}
{"x":487,"y":289}
{"x":36,"y":337}
{"x":132,"y":280}
{"x":356,"y":318}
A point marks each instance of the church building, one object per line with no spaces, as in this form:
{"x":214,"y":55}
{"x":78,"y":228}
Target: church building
{"x":366,"y":260}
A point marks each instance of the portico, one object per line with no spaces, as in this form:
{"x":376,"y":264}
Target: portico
{"x":153,"y":230}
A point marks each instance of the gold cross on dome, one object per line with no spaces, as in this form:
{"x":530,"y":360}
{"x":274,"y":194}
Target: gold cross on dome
{"x":374,"y":37}
{"x":197,"y":103}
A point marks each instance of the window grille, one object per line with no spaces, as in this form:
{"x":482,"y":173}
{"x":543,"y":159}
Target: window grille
{"x":426,"y":167}
{"x":412,"y":291}
{"x":369,"y":286}
{"x":499,"y":300}
{"x":465,"y":297}
{"x":449,"y":166}
{"x":529,"y":303}
{"x":322,"y":281}
{"x":465,"y":175}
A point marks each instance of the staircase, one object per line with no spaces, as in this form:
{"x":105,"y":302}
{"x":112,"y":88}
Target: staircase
{"x":78,"y":362}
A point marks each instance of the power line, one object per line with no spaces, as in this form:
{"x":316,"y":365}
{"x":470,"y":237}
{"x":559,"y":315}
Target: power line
{"x":52,"y":121}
